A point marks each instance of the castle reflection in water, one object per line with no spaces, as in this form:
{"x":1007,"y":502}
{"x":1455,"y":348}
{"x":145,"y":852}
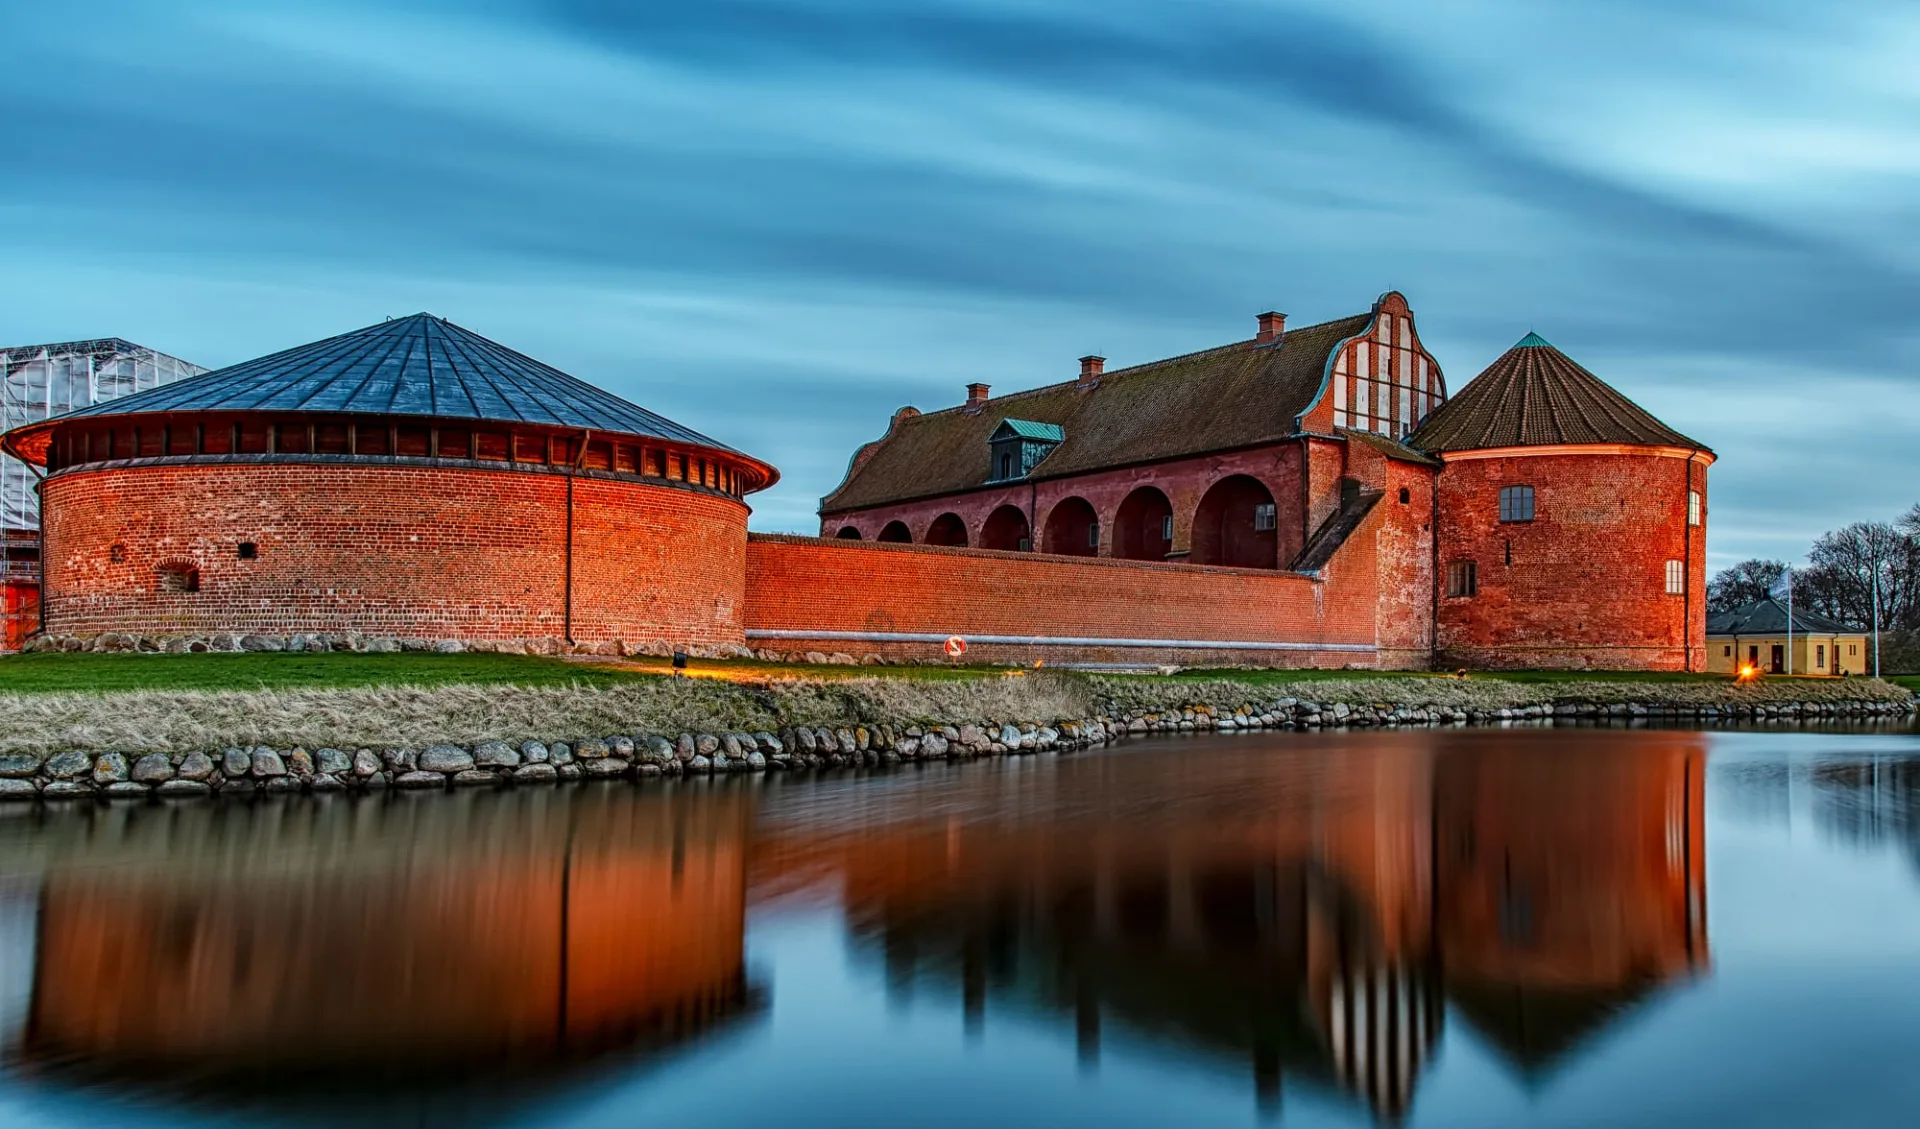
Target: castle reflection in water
{"x":1318,"y":913}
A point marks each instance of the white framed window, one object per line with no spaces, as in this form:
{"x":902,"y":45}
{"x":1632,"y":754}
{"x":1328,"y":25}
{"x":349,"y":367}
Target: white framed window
{"x":1693,"y":507}
{"x":1676,"y":578}
{"x":1265,"y":517}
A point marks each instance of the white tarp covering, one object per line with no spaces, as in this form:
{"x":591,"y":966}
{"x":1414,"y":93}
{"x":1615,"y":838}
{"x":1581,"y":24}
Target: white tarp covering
{"x":39,"y":381}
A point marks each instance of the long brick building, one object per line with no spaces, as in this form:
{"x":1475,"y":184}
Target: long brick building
{"x":1310,"y":496}
{"x":1537,"y":518}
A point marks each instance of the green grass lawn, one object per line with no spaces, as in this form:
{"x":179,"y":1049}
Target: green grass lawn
{"x":51,"y":673}
{"x":47,"y":673}
{"x":88,"y":672}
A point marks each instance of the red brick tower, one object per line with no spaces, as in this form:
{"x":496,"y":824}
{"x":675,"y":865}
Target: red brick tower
{"x":1571,"y":524}
{"x":409,"y":479}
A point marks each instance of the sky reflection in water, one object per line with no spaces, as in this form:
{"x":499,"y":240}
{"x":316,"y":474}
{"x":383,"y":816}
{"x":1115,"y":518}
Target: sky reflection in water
{"x":1471,"y":929}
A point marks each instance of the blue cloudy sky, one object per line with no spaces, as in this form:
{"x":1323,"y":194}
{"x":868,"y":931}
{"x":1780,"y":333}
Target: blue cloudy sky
{"x":778,"y":221}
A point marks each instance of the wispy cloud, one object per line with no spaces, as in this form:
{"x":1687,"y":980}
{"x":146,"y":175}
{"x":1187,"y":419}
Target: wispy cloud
{"x":778,"y":221}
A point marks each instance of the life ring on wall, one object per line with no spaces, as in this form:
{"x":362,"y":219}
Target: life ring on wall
{"x":956,"y":646}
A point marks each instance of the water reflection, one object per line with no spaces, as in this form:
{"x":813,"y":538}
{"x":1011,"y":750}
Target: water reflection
{"x":1310,"y":914}
{"x":399,"y":958}
{"x":1313,"y":913}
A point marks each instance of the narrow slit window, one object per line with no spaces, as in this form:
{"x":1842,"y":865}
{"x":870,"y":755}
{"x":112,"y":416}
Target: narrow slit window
{"x":1693,"y":507}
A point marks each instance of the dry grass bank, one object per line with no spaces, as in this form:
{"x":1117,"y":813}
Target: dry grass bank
{"x":414,"y":716}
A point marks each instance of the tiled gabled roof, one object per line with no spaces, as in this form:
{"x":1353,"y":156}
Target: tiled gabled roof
{"x":1237,"y":395}
{"x":1535,"y":395}
{"x":1769,"y":617}
{"x":412,"y":366}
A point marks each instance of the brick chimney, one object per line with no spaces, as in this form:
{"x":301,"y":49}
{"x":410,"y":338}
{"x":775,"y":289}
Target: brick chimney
{"x":1091,"y":368}
{"x":976,"y":396}
{"x":1272,"y":325}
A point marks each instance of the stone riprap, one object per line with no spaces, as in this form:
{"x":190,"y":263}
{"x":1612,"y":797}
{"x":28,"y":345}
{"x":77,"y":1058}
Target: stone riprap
{"x":77,"y":775}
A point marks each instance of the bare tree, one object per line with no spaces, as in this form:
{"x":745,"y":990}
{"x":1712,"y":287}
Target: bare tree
{"x":1840,"y":579}
{"x":1745,"y":583}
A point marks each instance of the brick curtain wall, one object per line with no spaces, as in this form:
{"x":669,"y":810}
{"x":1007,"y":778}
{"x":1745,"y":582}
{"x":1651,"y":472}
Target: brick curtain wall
{"x":19,"y":613}
{"x":804,"y":583}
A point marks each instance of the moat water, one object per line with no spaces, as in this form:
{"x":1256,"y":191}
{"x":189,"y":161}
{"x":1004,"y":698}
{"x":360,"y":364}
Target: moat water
{"x":1461,"y":928}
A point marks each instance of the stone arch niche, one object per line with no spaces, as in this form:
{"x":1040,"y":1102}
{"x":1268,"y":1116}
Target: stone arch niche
{"x":1227,"y":528}
{"x":948,"y":529}
{"x":1006,"y":530}
{"x":1073,"y":529}
{"x":1140,"y":528}
{"x":895,"y":533}
{"x":848,"y":533}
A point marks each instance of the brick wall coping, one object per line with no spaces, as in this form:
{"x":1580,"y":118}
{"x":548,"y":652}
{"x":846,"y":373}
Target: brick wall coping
{"x":1036,"y":558}
{"x":1546,"y":449}
{"x":490,"y":466}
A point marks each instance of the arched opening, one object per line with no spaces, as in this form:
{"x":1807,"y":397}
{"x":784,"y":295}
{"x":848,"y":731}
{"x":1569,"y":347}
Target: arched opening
{"x":947,"y":529}
{"x":1143,"y":529}
{"x":1073,"y":529}
{"x":896,"y":532}
{"x":1237,"y":525}
{"x":1006,"y":530}
{"x":848,"y":533}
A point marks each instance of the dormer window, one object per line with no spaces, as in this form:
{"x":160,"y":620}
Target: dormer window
{"x":1018,"y":445}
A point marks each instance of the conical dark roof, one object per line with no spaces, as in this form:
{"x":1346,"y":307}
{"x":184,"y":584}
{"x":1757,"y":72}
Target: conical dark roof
{"x":412,"y":366}
{"x":1535,"y":395}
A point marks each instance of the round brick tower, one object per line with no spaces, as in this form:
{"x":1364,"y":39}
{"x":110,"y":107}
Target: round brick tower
{"x":1570,"y":525}
{"x":407,"y":480}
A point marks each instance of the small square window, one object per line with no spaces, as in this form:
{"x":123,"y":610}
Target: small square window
{"x":1462,"y":579}
{"x":1676,"y":578}
{"x":249,"y":551}
{"x":179,"y":578}
{"x":1516,"y":503}
{"x":1265,"y":517}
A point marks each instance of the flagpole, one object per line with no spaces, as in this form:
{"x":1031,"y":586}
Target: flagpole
{"x":1789,"y":622}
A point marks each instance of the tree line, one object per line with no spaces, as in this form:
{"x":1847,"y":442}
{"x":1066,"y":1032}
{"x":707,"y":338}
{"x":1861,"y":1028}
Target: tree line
{"x":1838,"y":582}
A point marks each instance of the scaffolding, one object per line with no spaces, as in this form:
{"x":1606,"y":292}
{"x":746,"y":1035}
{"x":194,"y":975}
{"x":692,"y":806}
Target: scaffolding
{"x":40,"y":381}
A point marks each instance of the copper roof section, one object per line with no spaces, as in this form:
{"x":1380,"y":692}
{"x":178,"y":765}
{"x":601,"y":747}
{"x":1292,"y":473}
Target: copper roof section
{"x":1238,"y":395}
{"x":1534,"y":395}
{"x":413,"y":366}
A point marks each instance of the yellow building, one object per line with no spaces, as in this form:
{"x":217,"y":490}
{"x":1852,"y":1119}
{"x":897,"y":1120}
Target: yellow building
{"x":1757,"y":635}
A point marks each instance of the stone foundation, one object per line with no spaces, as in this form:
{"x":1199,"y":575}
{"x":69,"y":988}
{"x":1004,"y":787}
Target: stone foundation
{"x":76,"y":775}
